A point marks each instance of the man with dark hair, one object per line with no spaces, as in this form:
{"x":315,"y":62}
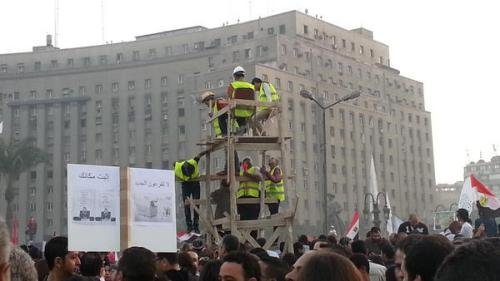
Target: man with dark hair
{"x":424,"y":258}
{"x":376,"y":271}
{"x":62,"y":263}
{"x":362,"y":264}
{"x":240,"y":266}
{"x":167,"y":264}
{"x":375,"y":242}
{"x":473,"y":261}
{"x":388,"y":254}
{"x":273,"y":269}
{"x":136,"y":264}
{"x":91,"y":264}
{"x":229,"y":243}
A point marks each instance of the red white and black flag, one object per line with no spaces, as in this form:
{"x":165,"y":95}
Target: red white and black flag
{"x":353,"y":228}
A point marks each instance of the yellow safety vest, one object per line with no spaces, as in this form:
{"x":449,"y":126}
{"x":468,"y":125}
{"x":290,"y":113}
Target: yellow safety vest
{"x":263,"y":97}
{"x":216,"y":124}
{"x":275,"y":190}
{"x":249,"y":188}
{"x":242,"y":110}
{"x":178,"y":170}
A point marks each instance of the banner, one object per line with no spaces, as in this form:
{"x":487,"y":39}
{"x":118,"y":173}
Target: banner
{"x":93,"y":208}
{"x":152,"y":220}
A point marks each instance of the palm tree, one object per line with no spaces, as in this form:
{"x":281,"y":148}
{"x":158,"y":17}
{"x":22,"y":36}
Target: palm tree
{"x":16,"y":158}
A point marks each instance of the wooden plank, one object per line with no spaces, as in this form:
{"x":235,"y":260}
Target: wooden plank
{"x":254,"y":201}
{"x":234,"y":102}
{"x":124,"y":208}
{"x":250,"y":239}
{"x":219,"y":113}
{"x":203,"y":219}
{"x":257,"y":146}
{"x":276,"y":234}
{"x":261,"y":223}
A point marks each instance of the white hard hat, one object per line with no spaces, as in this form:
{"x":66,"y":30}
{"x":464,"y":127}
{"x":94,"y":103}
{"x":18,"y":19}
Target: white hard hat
{"x":206,"y":95}
{"x":238,"y":69}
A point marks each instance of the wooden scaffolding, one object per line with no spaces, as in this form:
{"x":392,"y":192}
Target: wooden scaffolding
{"x":281,"y":223}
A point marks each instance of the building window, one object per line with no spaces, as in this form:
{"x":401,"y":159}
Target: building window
{"x":181,"y":112}
{"x":152,"y":53}
{"x":277,"y":83}
{"x":20,"y":67}
{"x":103,"y":60}
{"x":147,"y":84}
{"x":98,"y":89}
{"x":353,"y":47}
{"x":38,"y":66}
{"x":131,"y":85}
{"x":135,"y":55}
{"x":270,"y":30}
{"x":283,"y":49}
{"x":306,"y":29}
{"x":168,"y":51}
{"x":114,"y":87}
{"x":248,"y":53}
{"x":119,"y":58}
{"x":290,"y":86}
{"x":372,"y":53}
{"x":81,"y":90}
{"x":182,"y":130}
{"x":86,"y":61}
{"x":164,"y":81}
{"x":282,"y":29}
{"x":180,"y":79}
{"x":3,"y":68}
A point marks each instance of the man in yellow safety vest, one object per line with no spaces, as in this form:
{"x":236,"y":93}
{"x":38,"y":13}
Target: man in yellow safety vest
{"x":240,"y":89}
{"x":187,"y":171}
{"x":265,"y":92}
{"x":275,"y":188}
{"x":249,"y":188}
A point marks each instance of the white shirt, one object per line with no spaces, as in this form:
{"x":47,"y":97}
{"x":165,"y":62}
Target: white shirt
{"x":377,"y":272}
{"x":467,"y":230}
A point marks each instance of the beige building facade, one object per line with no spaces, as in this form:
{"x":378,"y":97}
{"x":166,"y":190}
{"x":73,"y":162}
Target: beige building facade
{"x":135,"y":104}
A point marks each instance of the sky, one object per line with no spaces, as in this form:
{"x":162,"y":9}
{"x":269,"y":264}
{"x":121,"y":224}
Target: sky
{"x":453,"y":47}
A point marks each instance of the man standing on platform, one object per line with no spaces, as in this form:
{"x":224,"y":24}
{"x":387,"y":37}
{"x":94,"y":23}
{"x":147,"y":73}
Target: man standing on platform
{"x":275,"y":188}
{"x":249,"y":188}
{"x":240,"y":89}
{"x":265,"y":92}
{"x":188,"y":172}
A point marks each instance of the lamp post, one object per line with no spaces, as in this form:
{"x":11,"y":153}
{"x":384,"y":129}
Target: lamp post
{"x":374,"y":200}
{"x":306,"y":94}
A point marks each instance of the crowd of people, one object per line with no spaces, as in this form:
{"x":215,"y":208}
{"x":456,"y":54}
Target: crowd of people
{"x":410,"y":255}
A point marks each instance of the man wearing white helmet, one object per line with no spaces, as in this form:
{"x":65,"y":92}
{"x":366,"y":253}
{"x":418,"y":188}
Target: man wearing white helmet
{"x":240,"y":89}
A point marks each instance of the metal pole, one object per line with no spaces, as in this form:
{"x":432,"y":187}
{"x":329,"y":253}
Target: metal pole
{"x":325,"y":173}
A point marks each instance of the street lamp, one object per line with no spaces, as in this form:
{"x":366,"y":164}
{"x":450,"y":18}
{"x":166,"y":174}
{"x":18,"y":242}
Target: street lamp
{"x":306,"y":94}
{"x":374,"y":200}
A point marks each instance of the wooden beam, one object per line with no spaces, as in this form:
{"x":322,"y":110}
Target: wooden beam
{"x":249,"y":238}
{"x":261,"y":223}
{"x":124,"y":208}
{"x":276,"y":234}
{"x":204,"y":220}
{"x":257,"y":146}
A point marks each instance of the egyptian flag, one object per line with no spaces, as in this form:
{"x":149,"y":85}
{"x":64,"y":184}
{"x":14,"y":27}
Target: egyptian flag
{"x":353,"y":228}
{"x":473,"y":190}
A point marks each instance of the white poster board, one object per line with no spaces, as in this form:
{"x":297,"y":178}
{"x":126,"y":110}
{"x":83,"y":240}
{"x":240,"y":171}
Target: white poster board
{"x":152,"y":221}
{"x":93,"y":208}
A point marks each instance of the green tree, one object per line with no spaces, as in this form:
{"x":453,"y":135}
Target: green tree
{"x":16,"y":158}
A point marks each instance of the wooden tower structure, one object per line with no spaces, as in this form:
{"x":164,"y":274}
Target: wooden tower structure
{"x":281,"y":223}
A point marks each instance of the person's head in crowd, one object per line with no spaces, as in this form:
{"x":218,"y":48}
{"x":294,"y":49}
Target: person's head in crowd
{"x":362,"y":264}
{"x":344,"y":241}
{"x":388,"y":253}
{"x":322,"y":245}
{"x":463,"y":216}
{"x":359,"y":247}
{"x":423,"y":259}
{"x":322,"y":237}
{"x":136,"y":264}
{"x":298,"y":266}
{"x":259,"y":252}
{"x":332,"y":239}
{"x":454,"y":227}
{"x":375,"y":234}
{"x":198,"y":245}
{"x":298,"y":249}
{"x":22,"y":267}
{"x":303,"y":239}
{"x":240,"y":266}
{"x":4,"y":251}
{"x":34,"y":253}
{"x":211,"y":271}
{"x":479,"y":259}
{"x":289,"y":259}
{"x":404,"y":246}
{"x":261,"y":241}
{"x":273,"y":269}
{"x":185,"y":247}
{"x":393,"y":273}
{"x":189,"y":261}
{"x":91,"y":264}
{"x":326,"y":266}
{"x":413,"y":219}
{"x":109,"y":272}
{"x":341,"y":250}
{"x":229,"y":243}
{"x":62,"y":263}
{"x":368,"y":235}
{"x":167,"y":261}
